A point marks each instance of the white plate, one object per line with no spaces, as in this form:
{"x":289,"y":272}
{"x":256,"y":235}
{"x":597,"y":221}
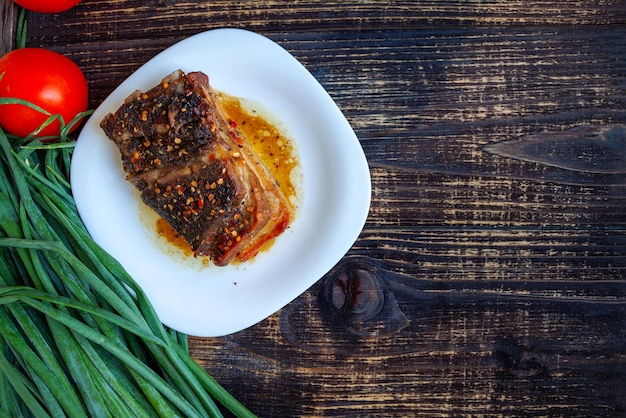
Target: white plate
{"x":334,"y":200}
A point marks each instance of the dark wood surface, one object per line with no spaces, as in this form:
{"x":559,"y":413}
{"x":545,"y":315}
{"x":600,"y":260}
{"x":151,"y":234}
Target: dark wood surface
{"x":490,"y":278}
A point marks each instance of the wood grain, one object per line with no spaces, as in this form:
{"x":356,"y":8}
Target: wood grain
{"x":8,"y":20}
{"x":490,"y":278}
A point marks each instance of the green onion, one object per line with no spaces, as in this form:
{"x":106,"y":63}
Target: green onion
{"x":21,"y":29}
{"x":78,"y":336}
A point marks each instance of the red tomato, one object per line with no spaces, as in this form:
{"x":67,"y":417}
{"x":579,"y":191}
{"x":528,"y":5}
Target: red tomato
{"x":45,"y":78}
{"x":48,"y":6}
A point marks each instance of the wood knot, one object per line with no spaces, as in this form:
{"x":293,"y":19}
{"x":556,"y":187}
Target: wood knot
{"x":355,"y":297}
{"x":528,"y":365}
{"x":523,"y":363}
{"x":355,"y":291}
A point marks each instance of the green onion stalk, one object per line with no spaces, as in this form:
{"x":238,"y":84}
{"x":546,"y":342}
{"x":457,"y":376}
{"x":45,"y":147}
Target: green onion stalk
{"x":78,"y":337}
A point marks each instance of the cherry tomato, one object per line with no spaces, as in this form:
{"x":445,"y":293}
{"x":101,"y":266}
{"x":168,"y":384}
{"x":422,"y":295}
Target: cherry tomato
{"x":46,"y":79}
{"x":48,"y":6}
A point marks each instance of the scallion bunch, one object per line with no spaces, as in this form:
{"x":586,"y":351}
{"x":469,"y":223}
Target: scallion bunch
{"x":78,"y":336}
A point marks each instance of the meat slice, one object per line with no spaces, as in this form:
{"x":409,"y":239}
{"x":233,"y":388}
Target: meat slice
{"x":196,"y":170}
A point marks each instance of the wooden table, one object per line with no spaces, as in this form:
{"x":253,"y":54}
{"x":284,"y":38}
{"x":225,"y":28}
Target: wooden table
{"x":490,"y":275}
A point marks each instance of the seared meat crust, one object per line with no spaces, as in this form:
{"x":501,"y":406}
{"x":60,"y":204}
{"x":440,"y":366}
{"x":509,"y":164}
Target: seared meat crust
{"x":194,"y":168}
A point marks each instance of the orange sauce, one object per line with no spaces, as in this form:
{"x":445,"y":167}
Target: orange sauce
{"x":267,"y":141}
{"x":171,"y":236}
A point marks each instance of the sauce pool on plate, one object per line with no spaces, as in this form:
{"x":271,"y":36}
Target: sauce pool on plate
{"x":268,"y":141}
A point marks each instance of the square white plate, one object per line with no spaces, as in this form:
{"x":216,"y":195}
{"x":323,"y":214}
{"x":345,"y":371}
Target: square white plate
{"x":334,"y":191}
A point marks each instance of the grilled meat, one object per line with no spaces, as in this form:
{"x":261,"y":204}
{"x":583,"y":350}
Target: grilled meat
{"x":195,"y":169}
